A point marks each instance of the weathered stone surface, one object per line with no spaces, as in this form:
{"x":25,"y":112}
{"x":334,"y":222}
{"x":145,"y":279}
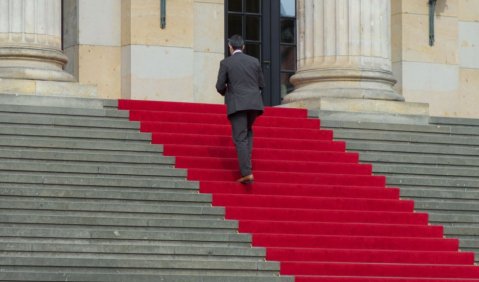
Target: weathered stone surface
{"x":46,"y":88}
{"x":332,"y":108}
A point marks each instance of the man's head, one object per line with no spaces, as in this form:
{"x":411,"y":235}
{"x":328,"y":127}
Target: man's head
{"x":235,"y":42}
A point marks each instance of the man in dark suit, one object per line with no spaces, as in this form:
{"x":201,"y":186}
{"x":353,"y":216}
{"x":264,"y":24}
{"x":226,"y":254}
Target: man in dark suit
{"x":240,"y":80}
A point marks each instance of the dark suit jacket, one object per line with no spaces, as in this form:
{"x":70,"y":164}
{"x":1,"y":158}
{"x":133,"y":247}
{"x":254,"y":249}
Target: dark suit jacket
{"x":240,"y":80}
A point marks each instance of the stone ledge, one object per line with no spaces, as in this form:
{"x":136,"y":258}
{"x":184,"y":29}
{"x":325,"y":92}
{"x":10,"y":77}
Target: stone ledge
{"x":364,"y":110}
{"x":48,"y":93}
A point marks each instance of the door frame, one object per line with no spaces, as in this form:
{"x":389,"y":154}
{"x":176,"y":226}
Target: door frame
{"x":270,"y":49}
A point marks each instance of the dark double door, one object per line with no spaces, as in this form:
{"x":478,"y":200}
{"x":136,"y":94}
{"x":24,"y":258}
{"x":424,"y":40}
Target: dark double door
{"x":269,"y":30}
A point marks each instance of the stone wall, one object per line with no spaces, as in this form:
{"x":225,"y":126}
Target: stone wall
{"x":445,"y":75}
{"x":469,"y":58}
{"x":120,"y":46}
{"x":92,"y":42}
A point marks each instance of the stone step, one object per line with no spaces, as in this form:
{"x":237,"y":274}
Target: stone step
{"x":47,"y":167}
{"x":63,"y":111}
{"x":110,"y":103}
{"x":12,"y":274}
{"x":449,"y":206}
{"x":100,"y":193}
{"x":132,"y":236}
{"x":89,"y":191}
{"x":64,"y":121}
{"x":77,"y":252}
{"x":441,"y":121}
{"x":168,"y":175}
{"x":452,"y":128}
{"x":419,"y":138}
{"x":449,"y":217}
{"x":440,"y":194}
{"x":117,"y":182}
{"x":175,"y":213}
{"x":387,"y":127}
{"x":93,"y":264}
{"x":77,"y":133}
{"x":51,"y":143}
{"x":458,"y":230}
{"x":124,"y":250}
{"x":432,"y":188}
{"x":429,"y":170}
{"x":78,"y":156}
{"x":438,"y":189}
{"x":151,"y":222}
{"x":174,"y":206}
{"x":100,"y":166}
{"x":469,"y":245}
{"x":432,"y":181}
{"x":430,"y":159}
{"x":166,"y":265}
{"x":56,"y":101}
{"x":418,"y":149}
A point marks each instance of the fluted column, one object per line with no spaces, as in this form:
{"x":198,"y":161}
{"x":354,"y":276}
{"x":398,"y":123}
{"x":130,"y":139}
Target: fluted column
{"x":344,"y":51}
{"x":30,"y":40}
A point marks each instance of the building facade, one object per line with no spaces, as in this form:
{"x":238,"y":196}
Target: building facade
{"x":347,"y":55}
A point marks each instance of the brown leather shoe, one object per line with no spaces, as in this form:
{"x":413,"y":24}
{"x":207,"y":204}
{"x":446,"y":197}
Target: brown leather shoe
{"x":248,"y":179}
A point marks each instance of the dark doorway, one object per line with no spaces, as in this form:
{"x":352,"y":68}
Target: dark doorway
{"x":269,"y":30}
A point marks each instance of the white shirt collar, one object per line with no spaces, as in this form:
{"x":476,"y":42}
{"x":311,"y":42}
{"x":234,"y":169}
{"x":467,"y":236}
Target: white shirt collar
{"x":237,"y":51}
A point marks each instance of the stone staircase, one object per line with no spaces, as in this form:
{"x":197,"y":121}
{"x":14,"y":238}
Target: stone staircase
{"x":437,"y":165}
{"x":85,"y":197}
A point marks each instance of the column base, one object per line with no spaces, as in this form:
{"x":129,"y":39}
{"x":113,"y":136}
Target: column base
{"x":23,"y":62}
{"x":36,"y":74}
{"x":344,"y":91}
{"x":365,"y":110}
{"x":46,"y":88}
{"x":346,"y":82}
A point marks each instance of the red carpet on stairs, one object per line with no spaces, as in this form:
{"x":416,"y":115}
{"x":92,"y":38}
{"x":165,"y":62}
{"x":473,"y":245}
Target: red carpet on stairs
{"x":313,"y":206}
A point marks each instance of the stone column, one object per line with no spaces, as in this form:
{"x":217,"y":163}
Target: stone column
{"x":30,"y":40}
{"x":344,"y":51}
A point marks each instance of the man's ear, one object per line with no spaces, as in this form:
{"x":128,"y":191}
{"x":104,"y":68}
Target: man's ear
{"x":242,"y":48}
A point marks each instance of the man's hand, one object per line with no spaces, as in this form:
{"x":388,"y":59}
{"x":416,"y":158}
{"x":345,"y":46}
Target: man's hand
{"x":223,"y":91}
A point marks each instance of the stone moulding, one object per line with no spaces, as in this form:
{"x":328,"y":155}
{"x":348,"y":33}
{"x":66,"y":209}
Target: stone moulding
{"x":33,"y":63}
{"x":36,"y":54}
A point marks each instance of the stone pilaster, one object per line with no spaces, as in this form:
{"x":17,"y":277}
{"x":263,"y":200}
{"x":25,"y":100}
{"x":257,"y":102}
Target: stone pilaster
{"x":344,"y":51}
{"x":30,"y":40}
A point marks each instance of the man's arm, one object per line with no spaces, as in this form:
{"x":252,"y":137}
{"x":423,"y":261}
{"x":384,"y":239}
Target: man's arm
{"x":260,"y":77}
{"x":222,"y":79}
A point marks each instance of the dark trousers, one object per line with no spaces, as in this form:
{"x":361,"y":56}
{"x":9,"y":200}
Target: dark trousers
{"x":242,"y":131}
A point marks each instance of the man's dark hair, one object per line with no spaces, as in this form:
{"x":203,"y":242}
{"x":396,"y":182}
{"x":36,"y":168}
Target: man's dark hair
{"x":236,"y":41}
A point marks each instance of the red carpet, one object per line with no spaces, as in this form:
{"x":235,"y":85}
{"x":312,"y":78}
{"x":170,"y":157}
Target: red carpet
{"x":313,"y":206}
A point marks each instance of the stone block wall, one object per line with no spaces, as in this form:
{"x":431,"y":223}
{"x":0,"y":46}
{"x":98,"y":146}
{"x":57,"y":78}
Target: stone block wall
{"x":120,"y":46}
{"x":445,"y":75}
{"x":92,"y":42}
